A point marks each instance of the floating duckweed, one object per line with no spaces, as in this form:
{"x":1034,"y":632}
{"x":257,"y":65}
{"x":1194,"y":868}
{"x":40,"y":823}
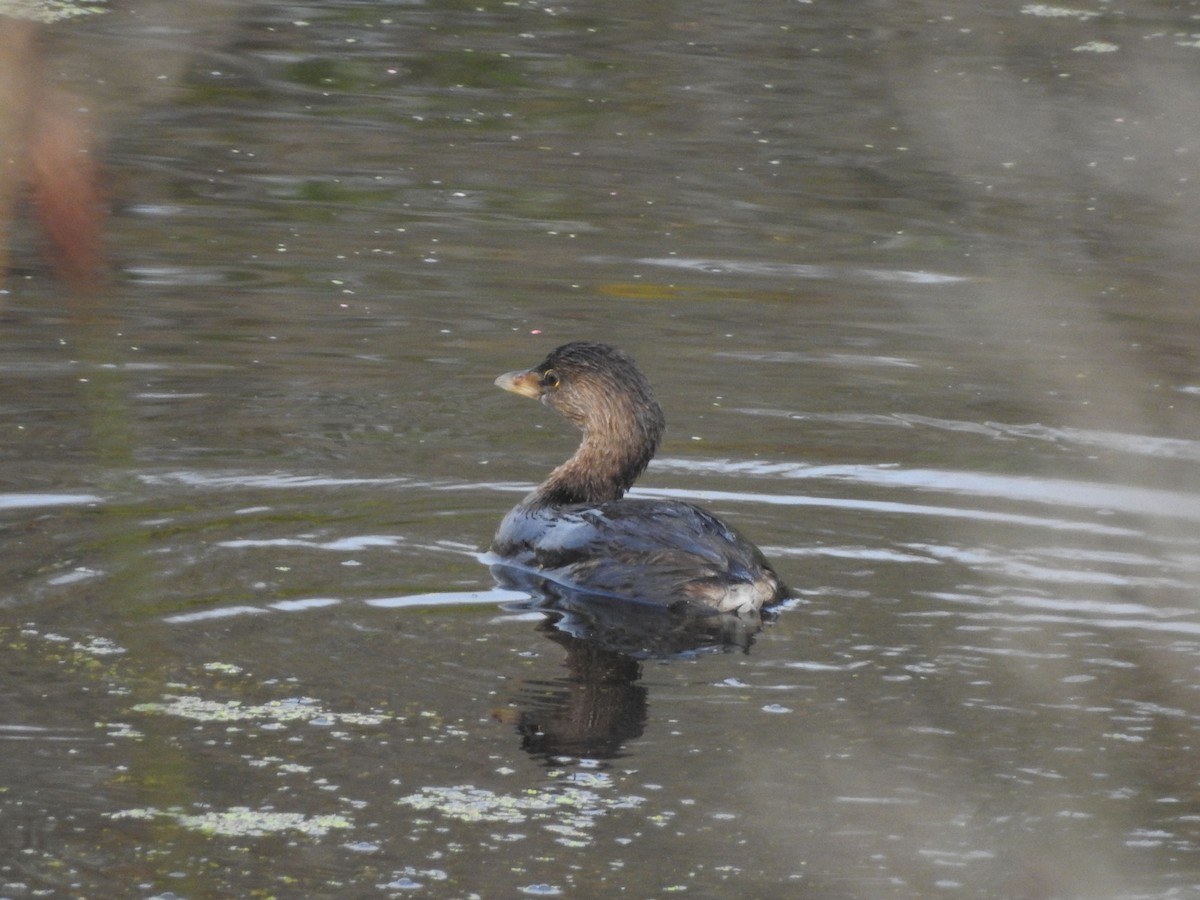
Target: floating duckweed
{"x":90,"y":645}
{"x":569,"y":835}
{"x":223,"y":668}
{"x":509,"y":838}
{"x":403,"y":883}
{"x":241,"y":821}
{"x":565,"y":811}
{"x":434,"y":874}
{"x":1056,"y":12}
{"x":592,"y":779}
{"x":296,"y":709}
{"x":403,"y":879}
{"x":120,"y":730}
{"x":98,"y":646}
{"x":142,"y":812}
{"x":471,"y":804}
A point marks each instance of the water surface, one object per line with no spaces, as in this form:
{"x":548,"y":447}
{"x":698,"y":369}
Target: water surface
{"x":916,"y":289}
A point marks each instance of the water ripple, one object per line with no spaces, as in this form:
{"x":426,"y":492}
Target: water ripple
{"x":888,"y":506}
{"x":1055,"y":491}
{"x":794,"y":270}
{"x":33,"y":501}
{"x":491,"y":597}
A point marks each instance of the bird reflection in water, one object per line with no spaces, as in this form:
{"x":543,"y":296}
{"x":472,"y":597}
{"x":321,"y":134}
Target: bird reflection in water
{"x":599,"y":704}
{"x":620,"y":580}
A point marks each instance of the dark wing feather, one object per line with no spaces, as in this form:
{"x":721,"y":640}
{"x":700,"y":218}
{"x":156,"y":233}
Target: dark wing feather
{"x":661,"y":551}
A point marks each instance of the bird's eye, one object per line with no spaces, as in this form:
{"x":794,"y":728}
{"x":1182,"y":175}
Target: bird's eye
{"x":550,"y":379}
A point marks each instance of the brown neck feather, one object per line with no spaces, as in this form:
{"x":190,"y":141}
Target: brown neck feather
{"x":614,"y":452}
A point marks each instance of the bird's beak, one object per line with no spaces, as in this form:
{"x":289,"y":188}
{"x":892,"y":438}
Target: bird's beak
{"x":526,"y":383}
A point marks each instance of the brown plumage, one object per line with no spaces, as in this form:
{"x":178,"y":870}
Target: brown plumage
{"x":579,"y":531}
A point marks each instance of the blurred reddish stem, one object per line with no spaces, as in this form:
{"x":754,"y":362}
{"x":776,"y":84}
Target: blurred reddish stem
{"x":46,"y":153}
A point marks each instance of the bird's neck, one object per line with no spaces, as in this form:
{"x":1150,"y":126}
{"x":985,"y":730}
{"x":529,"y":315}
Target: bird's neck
{"x":604,"y":467}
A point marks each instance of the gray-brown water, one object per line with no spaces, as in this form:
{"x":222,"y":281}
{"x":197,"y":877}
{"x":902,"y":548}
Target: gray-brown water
{"x":916,"y":286}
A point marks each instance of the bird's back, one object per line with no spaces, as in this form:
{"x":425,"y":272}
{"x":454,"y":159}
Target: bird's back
{"x":658,"y":551}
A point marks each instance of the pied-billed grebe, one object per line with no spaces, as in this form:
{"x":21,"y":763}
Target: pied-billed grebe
{"x":576,"y":530}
